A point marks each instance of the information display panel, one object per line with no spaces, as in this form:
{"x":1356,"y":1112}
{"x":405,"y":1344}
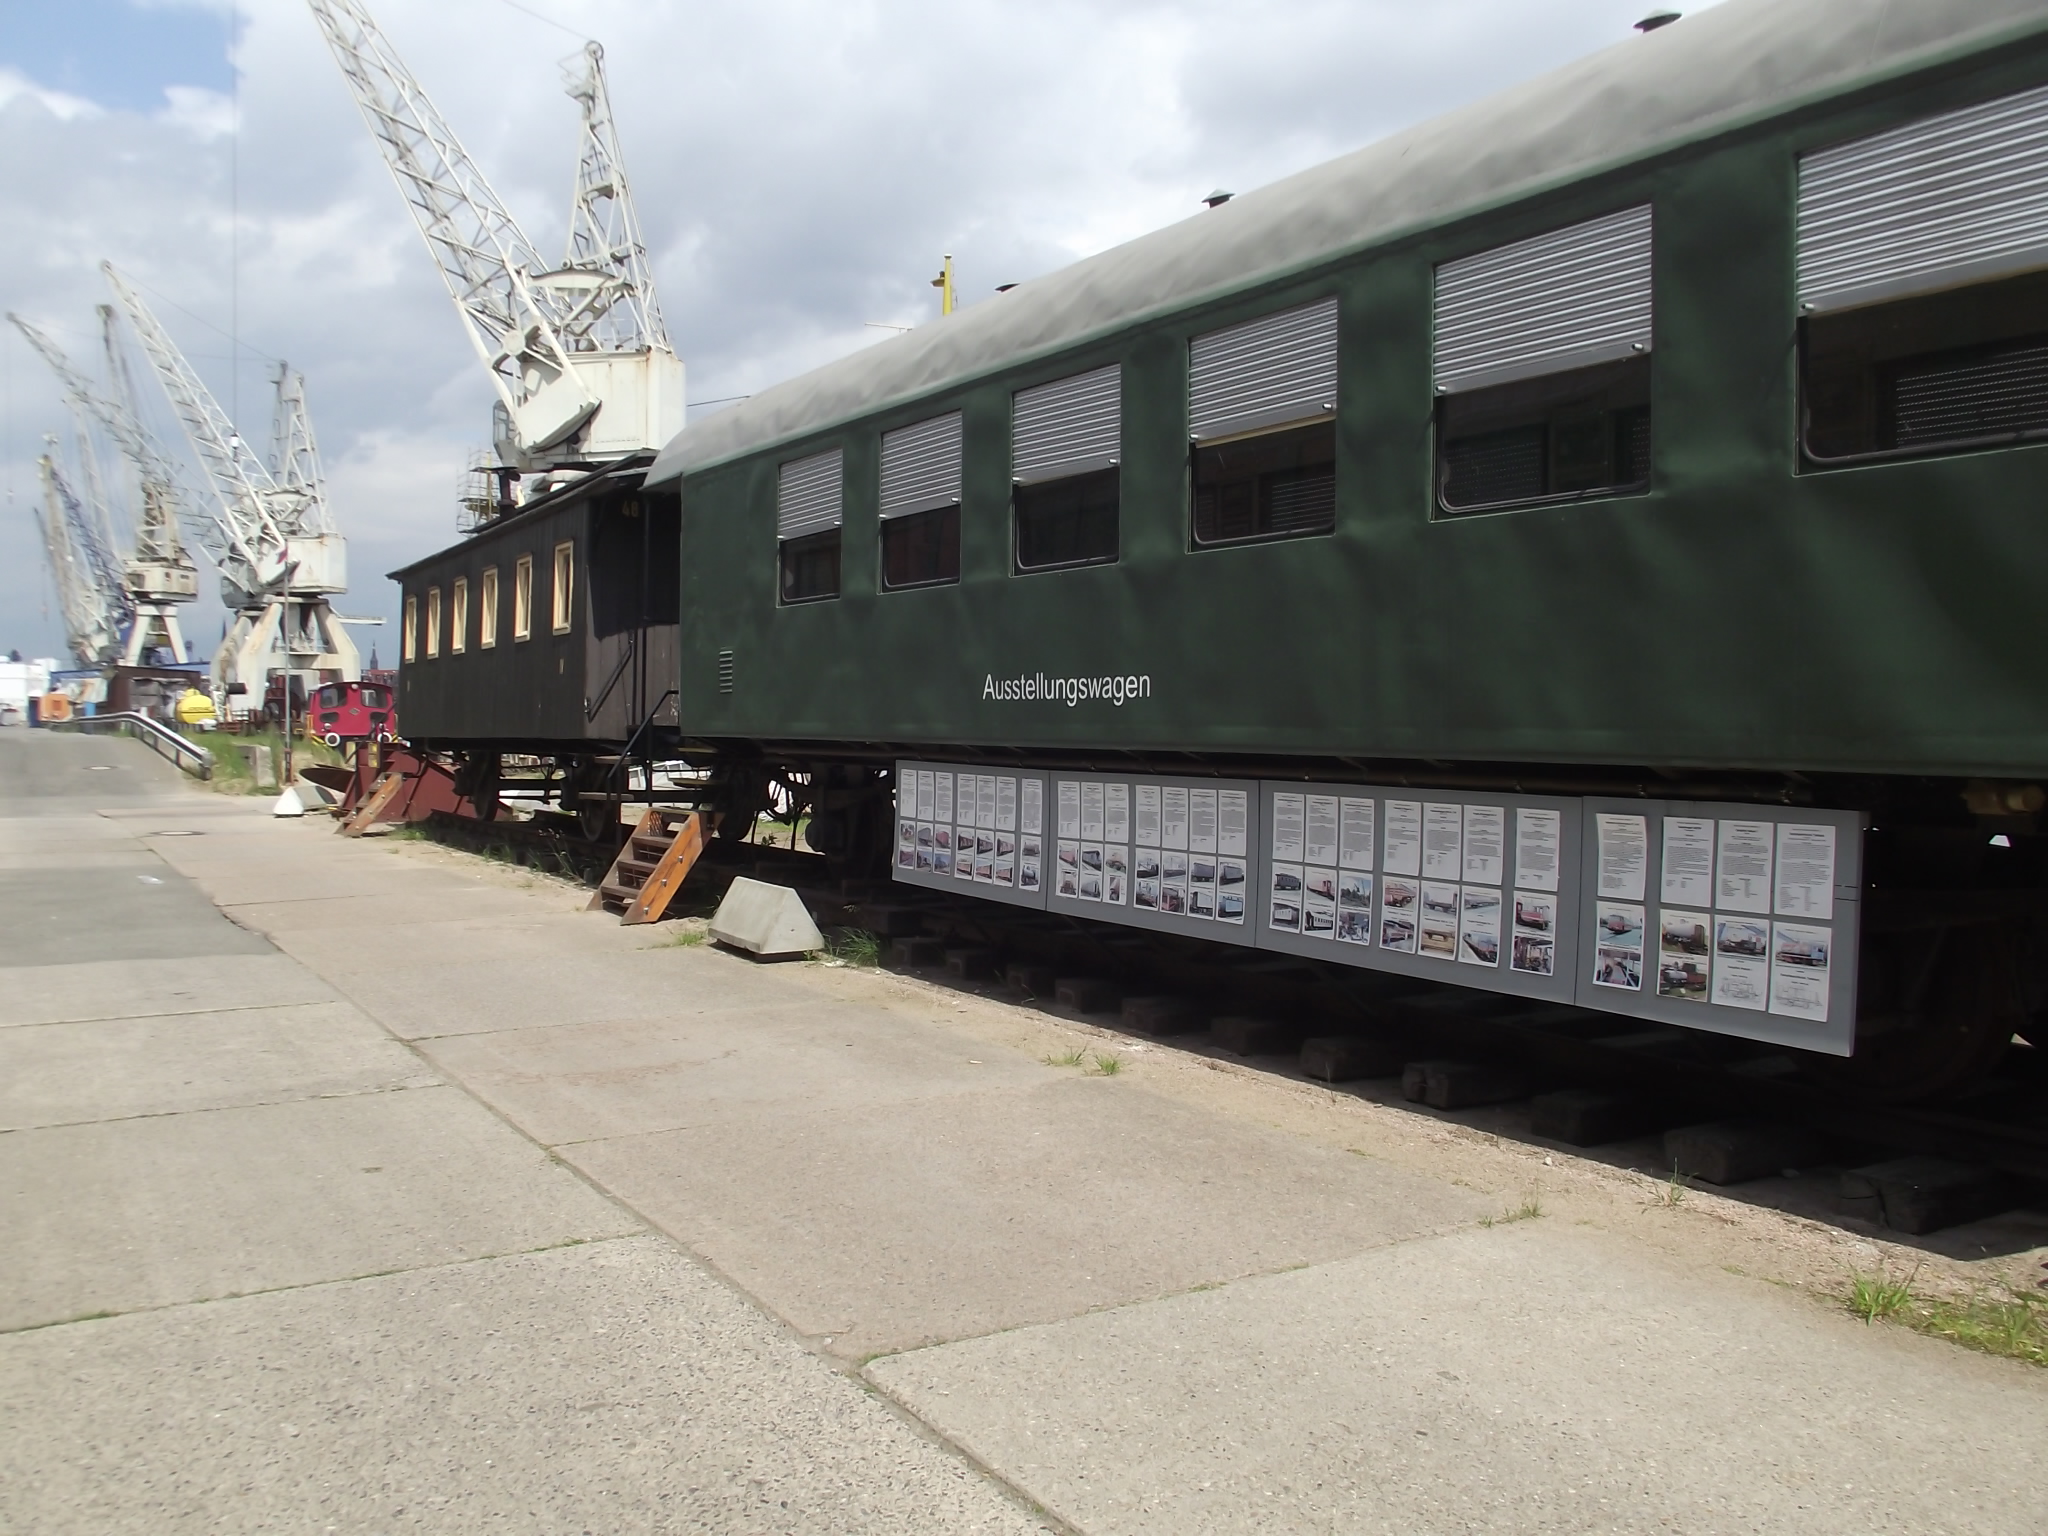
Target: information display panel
{"x":1479,"y":890}
{"x":1740,"y":919}
{"x":1169,"y":854}
{"x":978,"y":832}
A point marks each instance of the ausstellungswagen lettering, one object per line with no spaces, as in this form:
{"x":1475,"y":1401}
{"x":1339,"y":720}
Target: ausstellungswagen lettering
{"x":1028,"y":687}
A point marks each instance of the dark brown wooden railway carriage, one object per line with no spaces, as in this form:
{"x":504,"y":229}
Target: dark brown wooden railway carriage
{"x":548,"y":633}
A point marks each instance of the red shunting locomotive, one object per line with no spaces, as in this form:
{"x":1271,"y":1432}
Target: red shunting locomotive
{"x":353,"y":712}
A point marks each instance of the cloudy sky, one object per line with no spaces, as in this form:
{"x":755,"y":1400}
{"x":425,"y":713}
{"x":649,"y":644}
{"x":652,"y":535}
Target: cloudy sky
{"x":799,"y":166}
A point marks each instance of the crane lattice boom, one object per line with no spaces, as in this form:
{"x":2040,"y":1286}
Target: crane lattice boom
{"x":577,"y":354}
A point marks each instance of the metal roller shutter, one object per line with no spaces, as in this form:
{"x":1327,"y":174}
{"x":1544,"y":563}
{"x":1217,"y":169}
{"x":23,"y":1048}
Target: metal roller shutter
{"x":1068,"y":427}
{"x":808,"y":496}
{"x":1264,"y":373}
{"x":1569,"y":299}
{"x":1948,"y":199}
{"x":921,"y":466}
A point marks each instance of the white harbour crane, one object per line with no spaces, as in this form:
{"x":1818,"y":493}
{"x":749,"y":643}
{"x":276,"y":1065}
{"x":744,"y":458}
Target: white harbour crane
{"x":280,"y":558}
{"x":157,"y":575}
{"x":83,"y":568}
{"x":577,"y":352}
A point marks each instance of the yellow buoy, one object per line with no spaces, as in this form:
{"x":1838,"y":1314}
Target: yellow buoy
{"x":194,"y":708}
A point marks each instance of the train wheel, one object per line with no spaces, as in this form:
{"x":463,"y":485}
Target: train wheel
{"x":476,"y":780}
{"x":1971,"y":1010}
{"x":595,"y":819}
{"x":739,"y":794}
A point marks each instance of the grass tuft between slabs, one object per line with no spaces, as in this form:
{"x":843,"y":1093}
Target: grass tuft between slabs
{"x":855,"y":947}
{"x":2014,"y":1327}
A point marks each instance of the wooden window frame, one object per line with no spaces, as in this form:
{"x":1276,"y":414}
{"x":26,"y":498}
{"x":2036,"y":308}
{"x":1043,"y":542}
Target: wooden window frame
{"x":562,"y":613}
{"x":458,"y":616}
{"x":408,"y":645}
{"x":522,"y":598}
{"x":433,"y":622}
{"x":487,"y":609}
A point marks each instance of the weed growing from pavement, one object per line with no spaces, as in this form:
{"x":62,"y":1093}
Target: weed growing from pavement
{"x":683,"y":938}
{"x":1108,"y":1066}
{"x":1067,"y":1059}
{"x":2014,"y":1327}
{"x":1875,"y":1297}
{"x":856,"y":947}
{"x":1530,"y":1208}
{"x":1672,"y":1195}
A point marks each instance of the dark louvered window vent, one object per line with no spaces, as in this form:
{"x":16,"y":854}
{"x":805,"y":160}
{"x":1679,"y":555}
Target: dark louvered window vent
{"x":725,"y":671}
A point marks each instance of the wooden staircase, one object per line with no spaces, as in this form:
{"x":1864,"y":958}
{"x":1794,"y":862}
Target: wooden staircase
{"x":651,"y":867}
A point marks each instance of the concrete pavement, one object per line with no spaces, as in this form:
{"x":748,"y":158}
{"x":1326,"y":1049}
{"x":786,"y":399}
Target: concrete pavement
{"x":422,"y":1199}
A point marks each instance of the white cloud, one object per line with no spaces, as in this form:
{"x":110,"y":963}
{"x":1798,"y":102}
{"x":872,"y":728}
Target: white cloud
{"x":15,"y":86}
{"x":799,"y":166}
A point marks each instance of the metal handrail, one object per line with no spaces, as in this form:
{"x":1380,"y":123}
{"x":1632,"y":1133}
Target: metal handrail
{"x":154,"y":734}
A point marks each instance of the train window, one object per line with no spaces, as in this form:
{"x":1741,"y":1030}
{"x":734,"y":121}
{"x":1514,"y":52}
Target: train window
{"x":408,"y":645}
{"x":565,"y":587}
{"x":330,"y":696}
{"x":1562,"y":436}
{"x":1266,"y":485}
{"x":1066,"y":441}
{"x":1261,"y":397}
{"x":1066,"y":522}
{"x":921,"y":549}
{"x":433,"y":621}
{"x":487,"y":609}
{"x":810,"y":567}
{"x":809,"y":512}
{"x":1542,"y":367}
{"x":921,"y":503}
{"x":1923,"y":298}
{"x":522,"y":598}
{"x":458,"y":616}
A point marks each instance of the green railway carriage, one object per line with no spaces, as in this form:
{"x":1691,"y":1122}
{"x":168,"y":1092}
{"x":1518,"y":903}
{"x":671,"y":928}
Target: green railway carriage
{"x":1671,"y":427}
{"x":1731,"y":598}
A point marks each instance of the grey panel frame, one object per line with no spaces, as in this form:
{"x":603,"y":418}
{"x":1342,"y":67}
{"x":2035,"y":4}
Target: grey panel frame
{"x":1558,"y":987}
{"x":1954,"y":198}
{"x":810,"y":495}
{"x":921,"y":466}
{"x":1070,"y":426}
{"x":1837,"y":1037}
{"x":1127,"y":913}
{"x":1273,"y":371}
{"x":1570,"y":298}
{"x":951,"y":883}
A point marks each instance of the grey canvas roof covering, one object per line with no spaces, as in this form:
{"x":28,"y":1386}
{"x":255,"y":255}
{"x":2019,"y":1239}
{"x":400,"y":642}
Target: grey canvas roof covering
{"x":1709,"y":72}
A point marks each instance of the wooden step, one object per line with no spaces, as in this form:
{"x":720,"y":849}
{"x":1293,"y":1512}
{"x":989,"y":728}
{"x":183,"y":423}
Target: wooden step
{"x":657,"y":857}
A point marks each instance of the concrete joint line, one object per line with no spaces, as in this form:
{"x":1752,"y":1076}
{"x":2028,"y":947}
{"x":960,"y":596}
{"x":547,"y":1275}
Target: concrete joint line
{"x":172,"y":1013}
{"x":317,"y":1285}
{"x":220,"y":1109}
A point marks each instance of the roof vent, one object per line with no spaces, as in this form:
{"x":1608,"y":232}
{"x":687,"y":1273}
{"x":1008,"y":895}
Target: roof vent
{"x":1218,"y":198}
{"x":1656,"y":19}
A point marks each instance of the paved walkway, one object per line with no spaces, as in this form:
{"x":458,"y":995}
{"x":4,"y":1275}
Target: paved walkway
{"x":354,"y":1187}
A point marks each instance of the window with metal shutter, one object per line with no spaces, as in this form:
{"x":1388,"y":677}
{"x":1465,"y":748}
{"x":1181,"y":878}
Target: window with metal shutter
{"x":921,"y":466}
{"x":1264,"y":373}
{"x":1949,"y":199}
{"x":809,"y":496}
{"x":1071,"y":426}
{"x":1569,"y":299}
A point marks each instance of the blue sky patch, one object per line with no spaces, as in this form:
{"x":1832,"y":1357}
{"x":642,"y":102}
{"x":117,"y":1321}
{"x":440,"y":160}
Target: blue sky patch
{"x":115,"y":52}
